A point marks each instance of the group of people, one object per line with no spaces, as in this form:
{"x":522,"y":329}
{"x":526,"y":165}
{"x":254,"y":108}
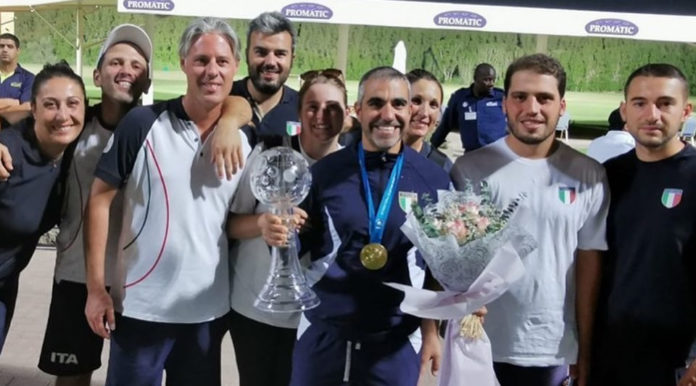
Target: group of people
{"x":163,"y":248}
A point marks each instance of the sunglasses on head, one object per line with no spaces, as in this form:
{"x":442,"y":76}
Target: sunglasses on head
{"x":334,"y":73}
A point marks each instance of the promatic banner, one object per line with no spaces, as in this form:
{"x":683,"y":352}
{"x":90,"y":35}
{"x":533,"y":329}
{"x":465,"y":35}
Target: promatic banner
{"x":615,"y":27}
{"x":460,"y":19}
{"x":149,"y":5}
{"x":307,"y":11}
{"x":434,"y":14}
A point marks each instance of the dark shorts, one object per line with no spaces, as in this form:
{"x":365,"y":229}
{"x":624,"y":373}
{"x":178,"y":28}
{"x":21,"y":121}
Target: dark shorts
{"x":141,"y":351}
{"x":320,"y":358}
{"x":263,"y":352}
{"x":69,"y":347}
{"x":630,"y":365}
{"x":640,"y":373}
{"x":512,"y":375}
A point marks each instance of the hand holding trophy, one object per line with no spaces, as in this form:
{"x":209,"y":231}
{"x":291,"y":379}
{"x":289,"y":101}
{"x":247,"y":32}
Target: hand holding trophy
{"x":280,"y":178}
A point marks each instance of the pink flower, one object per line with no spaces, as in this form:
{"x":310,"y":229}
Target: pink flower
{"x":459,"y":230}
{"x":482,"y":223}
{"x":469,"y":207}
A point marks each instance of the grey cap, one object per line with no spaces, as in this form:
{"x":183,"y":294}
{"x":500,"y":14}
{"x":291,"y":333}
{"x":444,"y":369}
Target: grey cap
{"x":133,"y":34}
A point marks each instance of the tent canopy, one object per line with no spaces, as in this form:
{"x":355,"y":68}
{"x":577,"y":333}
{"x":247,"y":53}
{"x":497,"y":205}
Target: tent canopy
{"x":667,"y":20}
{"x":453,"y":15}
{"x":29,"y":5}
{"x":662,"y":7}
{"x":36,"y":6}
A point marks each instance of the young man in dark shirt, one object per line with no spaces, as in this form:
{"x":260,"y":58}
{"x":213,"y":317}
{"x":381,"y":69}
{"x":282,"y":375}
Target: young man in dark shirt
{"x":270,"y":53}
{"x":648,"y":302}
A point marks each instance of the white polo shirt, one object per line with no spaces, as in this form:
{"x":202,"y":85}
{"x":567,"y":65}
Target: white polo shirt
{"x":566,"y":204}
{"x":173,"y":264}
{"x":610,"y":145}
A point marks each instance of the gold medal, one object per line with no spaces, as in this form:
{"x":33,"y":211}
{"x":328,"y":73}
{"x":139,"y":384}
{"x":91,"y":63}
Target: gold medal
{"x":373,"y":256}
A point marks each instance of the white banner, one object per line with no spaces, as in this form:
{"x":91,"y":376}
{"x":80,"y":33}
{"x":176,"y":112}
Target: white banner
{"x":416,"y":14}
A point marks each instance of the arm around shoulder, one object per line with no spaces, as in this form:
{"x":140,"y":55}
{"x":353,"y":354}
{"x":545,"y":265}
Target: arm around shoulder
{"x":227,"y":148}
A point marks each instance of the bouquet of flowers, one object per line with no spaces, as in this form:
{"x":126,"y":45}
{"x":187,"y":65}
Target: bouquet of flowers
{"x":473,"y":249}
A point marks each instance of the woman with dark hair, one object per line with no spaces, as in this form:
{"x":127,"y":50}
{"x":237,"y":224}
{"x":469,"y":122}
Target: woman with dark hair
{"x":30,"y":199}
{"x":426,"y":101}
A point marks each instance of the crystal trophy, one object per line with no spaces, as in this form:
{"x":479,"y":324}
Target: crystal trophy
{"x":280,"y":178}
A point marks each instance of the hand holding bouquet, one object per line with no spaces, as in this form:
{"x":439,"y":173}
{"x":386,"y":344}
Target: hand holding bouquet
{"x":473,"y":250}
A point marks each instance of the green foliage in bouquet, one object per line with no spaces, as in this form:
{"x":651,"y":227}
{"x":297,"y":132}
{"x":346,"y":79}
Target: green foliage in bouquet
{"x":467,"y":215}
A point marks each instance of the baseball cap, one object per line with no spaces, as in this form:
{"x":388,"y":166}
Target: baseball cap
{"x":133,"y":34}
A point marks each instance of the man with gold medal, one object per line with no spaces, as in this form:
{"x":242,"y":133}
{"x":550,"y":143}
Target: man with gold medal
{"x":356,"y":206}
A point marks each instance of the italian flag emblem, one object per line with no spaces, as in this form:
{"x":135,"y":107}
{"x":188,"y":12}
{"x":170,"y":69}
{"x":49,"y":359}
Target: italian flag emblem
{"x":292,"y":128}
{"x":566,"y":194}
{"x":671,"y":197}
{"x":406,"y":200}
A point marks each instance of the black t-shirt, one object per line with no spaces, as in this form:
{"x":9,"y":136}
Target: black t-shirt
{"x":273,"y":122}
{"x":650,"y":275}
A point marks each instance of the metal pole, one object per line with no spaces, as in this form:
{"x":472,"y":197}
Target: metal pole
{"x":342,"y":53}
{"x":7,"y":20}
{"x":542,"y":44}
{"x":149,"y":98}
{"x":78,"y":39}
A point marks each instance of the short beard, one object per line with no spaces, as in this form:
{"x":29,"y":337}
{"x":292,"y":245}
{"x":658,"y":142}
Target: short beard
{"x":386,"y":147}
{"x":264,"y":88}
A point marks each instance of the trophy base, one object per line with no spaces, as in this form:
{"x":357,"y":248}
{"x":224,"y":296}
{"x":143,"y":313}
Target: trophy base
{"x":286,"y":300}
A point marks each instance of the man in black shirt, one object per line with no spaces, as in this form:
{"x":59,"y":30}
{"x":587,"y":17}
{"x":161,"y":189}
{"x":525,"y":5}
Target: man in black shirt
{"x":263,"y":348}
{"x":647,"y":319}
{"x":269,"y":56}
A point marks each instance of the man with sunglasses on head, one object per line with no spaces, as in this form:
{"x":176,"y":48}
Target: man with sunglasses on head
{"x":269,"y":56}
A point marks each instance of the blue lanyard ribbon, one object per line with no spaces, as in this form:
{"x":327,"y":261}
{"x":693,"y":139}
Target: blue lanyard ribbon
{"x":378,"y":222}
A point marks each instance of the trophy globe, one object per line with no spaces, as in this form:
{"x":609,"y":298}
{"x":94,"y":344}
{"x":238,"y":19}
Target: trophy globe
{"x":280,"y":178}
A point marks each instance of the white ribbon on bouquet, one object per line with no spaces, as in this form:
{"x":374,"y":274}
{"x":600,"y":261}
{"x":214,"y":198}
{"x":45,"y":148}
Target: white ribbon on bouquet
{"x":464,"y":360}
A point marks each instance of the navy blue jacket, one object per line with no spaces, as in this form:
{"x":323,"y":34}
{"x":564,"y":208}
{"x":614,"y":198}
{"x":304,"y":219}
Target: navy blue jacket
{"x":488,"y":126}
{"x":440,"y":158}
{"x":354,"y":302}
{"x":30,"y":200}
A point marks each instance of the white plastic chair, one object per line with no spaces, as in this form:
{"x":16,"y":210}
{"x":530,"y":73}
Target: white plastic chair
{"x":689,"y":130}
{"x":563,"y":125}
